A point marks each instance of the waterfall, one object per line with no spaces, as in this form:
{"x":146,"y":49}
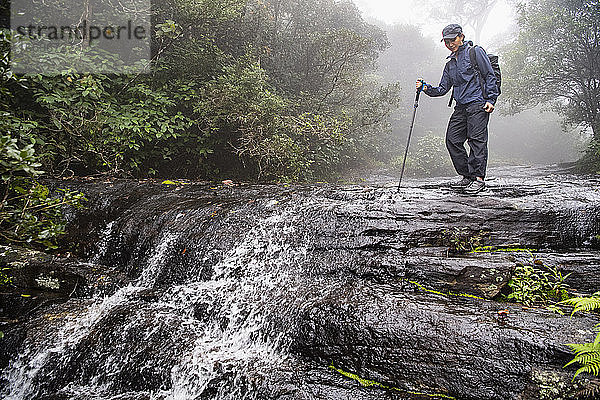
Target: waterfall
{"x":251,"y":293}
{"x":177,"y":341}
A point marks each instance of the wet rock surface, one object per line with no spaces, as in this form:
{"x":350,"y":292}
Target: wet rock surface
{"x":39,"y":281}
{"x":303,"y":291}
{"x":453,"y":346}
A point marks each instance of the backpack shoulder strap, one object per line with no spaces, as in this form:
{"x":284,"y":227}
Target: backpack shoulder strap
{"x":475,"y":65}
{"x":473,"y":57}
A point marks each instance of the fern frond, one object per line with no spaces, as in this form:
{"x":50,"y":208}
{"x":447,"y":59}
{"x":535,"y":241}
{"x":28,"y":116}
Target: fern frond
{"x":583,"y":347}
{"x":592,"y":369}
{"x":588,"y":355}
{"x":597,"y":340}
{"x":583,"y":303}
{"x":590,"y":390}
{"x":587,"y":359}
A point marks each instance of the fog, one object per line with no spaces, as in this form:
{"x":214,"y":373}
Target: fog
{"x":500,"y":21}
{"x":530,"y":137}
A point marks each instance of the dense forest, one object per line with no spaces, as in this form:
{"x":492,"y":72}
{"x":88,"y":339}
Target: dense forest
{"x":278,"y":90}
{"x":243,"y":89}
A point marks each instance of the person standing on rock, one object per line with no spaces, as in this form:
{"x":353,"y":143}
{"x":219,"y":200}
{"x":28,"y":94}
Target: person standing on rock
{"x":475,"y":99}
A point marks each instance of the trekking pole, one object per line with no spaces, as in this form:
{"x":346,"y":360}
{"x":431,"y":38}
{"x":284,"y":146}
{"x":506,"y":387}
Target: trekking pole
{"x":412,"y":124}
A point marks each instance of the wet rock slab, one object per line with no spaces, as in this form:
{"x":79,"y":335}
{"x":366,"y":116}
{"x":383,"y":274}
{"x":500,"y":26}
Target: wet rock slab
{"x":423,"y":342}
{"x":371,"y":286}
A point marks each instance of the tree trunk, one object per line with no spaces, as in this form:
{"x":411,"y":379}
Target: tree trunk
{"x":596,"y":128}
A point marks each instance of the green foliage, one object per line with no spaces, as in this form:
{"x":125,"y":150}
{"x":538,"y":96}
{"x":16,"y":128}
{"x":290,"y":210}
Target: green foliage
{"x":587,"y":354}
{"x":462,"y":240}
{"x":5,"y":279}
{"x":32,"y":215}
{"x":282,"y":101}
{"x":585,"y":304}
{"x":565,"y":71}
{"x":317,"y":145}
{"x":428,"y":157}
{"x":590,"y":162}
{"x":98,"y":123}
{"x":231,"y":91}
{"x":242,"y":110}
{"x":363,"y":382}
{"x":169,"y":29}
{"x":316,"y":50}
{"x":536,"y":284}
{"x":374,"y":384}
{"x":466,"y":295}
{"x":509,"y":249}
{"x":239,"y":111}
{"x":28,"y":212}
{"x":17,"y":160}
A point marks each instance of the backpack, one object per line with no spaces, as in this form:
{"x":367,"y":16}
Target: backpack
{"x":495,"y":67}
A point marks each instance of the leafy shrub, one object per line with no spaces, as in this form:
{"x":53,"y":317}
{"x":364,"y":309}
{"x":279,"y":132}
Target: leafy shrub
{"x":28,"y":212}
{"x":536,"y":284}
{"x":428,"y":157}
{"x":33,"y":215}
{"x":247,"y":117}
{"x":230,"y":91}
{"x":97,"y":123}
{"x":319,"y":144}
{"x":590,"y":162}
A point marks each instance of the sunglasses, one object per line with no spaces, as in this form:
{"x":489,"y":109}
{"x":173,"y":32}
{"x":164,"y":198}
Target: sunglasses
{"x":448,"y":41}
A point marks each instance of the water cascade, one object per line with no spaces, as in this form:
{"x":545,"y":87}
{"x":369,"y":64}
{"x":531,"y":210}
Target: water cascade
{"x":254,"y":292}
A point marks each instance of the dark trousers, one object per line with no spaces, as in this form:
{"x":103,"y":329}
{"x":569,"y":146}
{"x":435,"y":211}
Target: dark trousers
{"x":468,"y":123}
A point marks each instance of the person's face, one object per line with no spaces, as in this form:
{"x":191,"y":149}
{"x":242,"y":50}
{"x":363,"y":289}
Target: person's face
{"x":453,"y":44}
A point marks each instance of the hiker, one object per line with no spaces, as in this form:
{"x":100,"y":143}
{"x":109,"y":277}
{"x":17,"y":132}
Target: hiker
{"x":475,"y":98}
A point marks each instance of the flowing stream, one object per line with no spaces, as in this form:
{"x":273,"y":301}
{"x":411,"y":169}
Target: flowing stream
{"x":253,"y":292}
{"x":197,"y":338}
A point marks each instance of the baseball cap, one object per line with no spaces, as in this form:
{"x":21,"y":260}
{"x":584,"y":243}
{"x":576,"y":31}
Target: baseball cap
{"x":451,"y":31}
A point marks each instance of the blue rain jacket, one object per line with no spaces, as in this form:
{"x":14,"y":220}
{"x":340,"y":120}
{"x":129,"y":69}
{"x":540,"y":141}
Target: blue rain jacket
{"x":459,"y":74}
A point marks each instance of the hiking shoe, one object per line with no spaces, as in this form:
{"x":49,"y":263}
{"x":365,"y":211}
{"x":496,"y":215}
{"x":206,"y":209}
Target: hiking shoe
{"x":475,"y":187}
{"x":462,"y":184}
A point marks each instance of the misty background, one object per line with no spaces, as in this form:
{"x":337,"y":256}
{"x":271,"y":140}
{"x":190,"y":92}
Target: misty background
{"x":413,"y":28}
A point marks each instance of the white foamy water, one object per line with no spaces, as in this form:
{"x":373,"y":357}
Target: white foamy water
{"x":102,"y":246}
{"x":227,"y":351}
{"x":236,"y":340}
{"x":23,"y":372}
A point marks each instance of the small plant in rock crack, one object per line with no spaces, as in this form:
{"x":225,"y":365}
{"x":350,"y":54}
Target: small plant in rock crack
{"x":536,"y":284}
{"x":5,"y":279}
{"x":460,"y":240}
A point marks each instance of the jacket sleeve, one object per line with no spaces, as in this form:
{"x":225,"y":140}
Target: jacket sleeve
{"x":444,"y":87}
{"x":487,"y":74}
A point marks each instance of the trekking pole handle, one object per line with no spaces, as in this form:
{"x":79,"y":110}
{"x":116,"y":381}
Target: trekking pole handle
{"x":419,"y":90}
